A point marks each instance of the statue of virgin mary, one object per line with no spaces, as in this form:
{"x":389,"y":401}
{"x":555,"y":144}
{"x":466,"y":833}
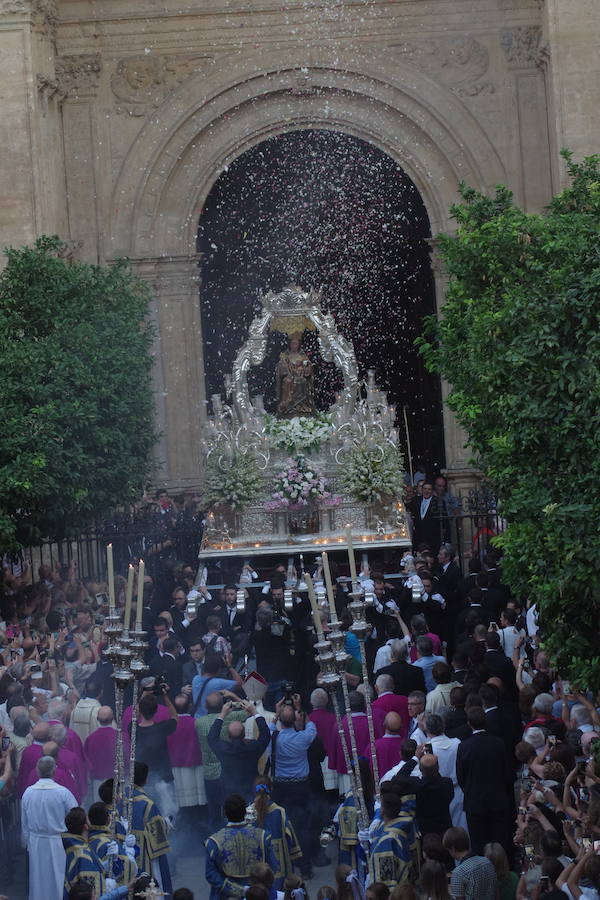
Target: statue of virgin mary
{"x":294,"y":378}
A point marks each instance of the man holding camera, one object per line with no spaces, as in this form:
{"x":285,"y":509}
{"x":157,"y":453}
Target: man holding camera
{"x":238,"y":756}
{"x":290,"y":769}
{"x":152,"y":749}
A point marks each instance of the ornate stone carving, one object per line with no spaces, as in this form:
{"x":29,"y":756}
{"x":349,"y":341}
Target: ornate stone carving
{"x":542,"y":59}
{"x":458,"y":61}
{"x":141,"y":83}
{"x":78,"y":76}
{"x":48,"y":89}
{"x":521,"y":45}
{"x":42,"y":12}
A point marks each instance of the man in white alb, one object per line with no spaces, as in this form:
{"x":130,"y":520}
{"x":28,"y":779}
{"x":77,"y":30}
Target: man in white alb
{"x":43,"y":809}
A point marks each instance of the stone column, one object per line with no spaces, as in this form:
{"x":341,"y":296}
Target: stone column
{"x":31,"y":177}
{"x":572,"y":35}
{"x":521,"y":45}
{"x":79,"y":78}
{"x":460,"y":474}
{"x":179,"y":367}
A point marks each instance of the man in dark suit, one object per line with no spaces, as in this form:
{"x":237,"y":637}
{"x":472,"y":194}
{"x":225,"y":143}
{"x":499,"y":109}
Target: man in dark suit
{"x":449,"y":576}
{"x":502,"y":718}
{"x":483,"y":775}
{"x":434,"y":795}
{"x":193,"y":666}
{"x":407,"y":678}
{"x":428,"y":523}
{"x":499,"y":665}
{"x":166,"y":661}
{"x":238,"y":756}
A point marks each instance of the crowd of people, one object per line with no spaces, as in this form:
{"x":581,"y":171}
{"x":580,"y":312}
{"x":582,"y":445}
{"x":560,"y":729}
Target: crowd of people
{"x":487,"y":787}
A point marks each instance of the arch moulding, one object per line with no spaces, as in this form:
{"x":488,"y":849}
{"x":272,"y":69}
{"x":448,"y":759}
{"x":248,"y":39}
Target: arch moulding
{"x":185,"y":145}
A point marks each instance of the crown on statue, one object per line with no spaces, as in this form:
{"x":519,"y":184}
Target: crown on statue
{"x":290,"y":309}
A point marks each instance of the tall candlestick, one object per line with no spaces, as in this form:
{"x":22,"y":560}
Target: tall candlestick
{"x":111,"y":581}
{"x":314,"y":606}
{"x":329,"y":586}
{"x":128,"y":596}
{"x":140,"y":597}
{"x":351,"y":559}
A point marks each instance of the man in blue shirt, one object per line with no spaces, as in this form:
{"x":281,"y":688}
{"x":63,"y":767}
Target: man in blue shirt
{"x":203,"y":685}
{"x":427,"y":660}
{"x":289,"y":765}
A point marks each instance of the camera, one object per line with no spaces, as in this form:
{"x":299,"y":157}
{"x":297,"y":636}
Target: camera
{"x":288,"y":690}
{"x":161,"y":685}
{"x":5,"y":743}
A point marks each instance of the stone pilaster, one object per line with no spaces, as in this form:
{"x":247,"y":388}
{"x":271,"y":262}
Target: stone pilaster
{"x":32,"y":172}
{"x":179,"y":368}
{"x":522,"y":45}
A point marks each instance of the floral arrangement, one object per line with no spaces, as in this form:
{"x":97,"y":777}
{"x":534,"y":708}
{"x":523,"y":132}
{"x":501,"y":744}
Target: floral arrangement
{"x":299,"y":484}
{"x":373,"y":474}
{"x":236,"y":482}
{"x":302,"y":433}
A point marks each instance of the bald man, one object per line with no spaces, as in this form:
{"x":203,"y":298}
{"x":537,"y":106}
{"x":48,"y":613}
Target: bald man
{"x":99,"y":749}
{"x":389,"y":747}
{"x":31,"y":754}
{"x":434,"y":795}
{"x":238,"y":756}
{"x":61,"y":775}
{"x":387,"y":701}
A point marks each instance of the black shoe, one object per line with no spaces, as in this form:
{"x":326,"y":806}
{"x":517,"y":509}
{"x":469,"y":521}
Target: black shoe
{"x":306,"y":873}
{"x":321,"y":859}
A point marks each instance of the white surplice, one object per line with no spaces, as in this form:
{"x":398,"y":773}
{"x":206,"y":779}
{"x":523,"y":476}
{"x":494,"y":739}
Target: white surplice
{"x":43,"y":810}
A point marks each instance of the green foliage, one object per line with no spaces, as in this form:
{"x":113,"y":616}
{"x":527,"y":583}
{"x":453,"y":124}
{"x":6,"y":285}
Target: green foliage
{"x":519,"y":341}
{"x":372,"y":474}
{"x":235,"y":482}
{"x":75,"y":381}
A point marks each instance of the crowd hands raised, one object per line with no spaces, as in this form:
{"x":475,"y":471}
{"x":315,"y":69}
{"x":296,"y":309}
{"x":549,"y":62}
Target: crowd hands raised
{"x":488,"y":780}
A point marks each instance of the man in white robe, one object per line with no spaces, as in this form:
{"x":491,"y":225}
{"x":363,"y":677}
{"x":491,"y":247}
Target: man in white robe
{"x":43,"y":809}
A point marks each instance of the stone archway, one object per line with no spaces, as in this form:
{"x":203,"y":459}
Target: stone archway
{"x":178,"y":155}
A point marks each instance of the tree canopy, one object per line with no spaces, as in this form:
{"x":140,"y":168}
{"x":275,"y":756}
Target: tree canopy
{"x":519,"y":341}
{"x":75,"y":380}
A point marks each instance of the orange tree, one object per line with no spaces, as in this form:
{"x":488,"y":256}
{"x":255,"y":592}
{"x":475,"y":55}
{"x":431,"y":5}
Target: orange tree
{"x":519,"y":341}
{"x":75,"y":380}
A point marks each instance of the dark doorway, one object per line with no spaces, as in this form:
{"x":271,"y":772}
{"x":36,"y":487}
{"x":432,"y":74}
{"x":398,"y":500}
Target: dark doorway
{"x":324,"y":209}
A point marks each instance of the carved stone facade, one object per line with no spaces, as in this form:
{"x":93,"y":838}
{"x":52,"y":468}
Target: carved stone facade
{"x":119,"y":115}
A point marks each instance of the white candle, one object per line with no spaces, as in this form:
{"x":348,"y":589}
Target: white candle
{"x":329,"y":585}
{"x":314,"y":606}
{"x":351,"y":557}
{"x":128,"y":596}
{"x":111,"y":581}
{"x":140,"y":597}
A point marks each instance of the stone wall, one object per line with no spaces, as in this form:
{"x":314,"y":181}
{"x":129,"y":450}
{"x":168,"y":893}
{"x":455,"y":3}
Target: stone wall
{"x":119,"y":115}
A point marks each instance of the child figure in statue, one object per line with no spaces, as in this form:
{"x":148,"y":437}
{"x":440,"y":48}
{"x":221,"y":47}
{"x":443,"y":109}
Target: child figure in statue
{"x":294,"y":378}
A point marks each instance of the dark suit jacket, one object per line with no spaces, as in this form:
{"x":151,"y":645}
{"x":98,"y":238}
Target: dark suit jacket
{"x":171,"y":668}
{"x":239,"y":758}
{"x":407,"y":678}
{"x":189,"y":671}
{"x":449,"y":583}
{"x":429,"y":530}
{"x":482,"y":773}
{"x":498,"y":664}
{"x":434,"y":796}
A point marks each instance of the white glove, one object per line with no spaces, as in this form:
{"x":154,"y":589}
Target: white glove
{"x":124,"y":823}
{"x":439,"y":599}
{"x":110,"y":885}
{"x":363,"y":835}
{"x":112,"y":849}
{"x":129,"y":840}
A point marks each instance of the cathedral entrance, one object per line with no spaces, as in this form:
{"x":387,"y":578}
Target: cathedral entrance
{"x":321,"y":208}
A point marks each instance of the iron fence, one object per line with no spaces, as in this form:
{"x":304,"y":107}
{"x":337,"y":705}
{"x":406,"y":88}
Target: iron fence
{"x":160,"y":539}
